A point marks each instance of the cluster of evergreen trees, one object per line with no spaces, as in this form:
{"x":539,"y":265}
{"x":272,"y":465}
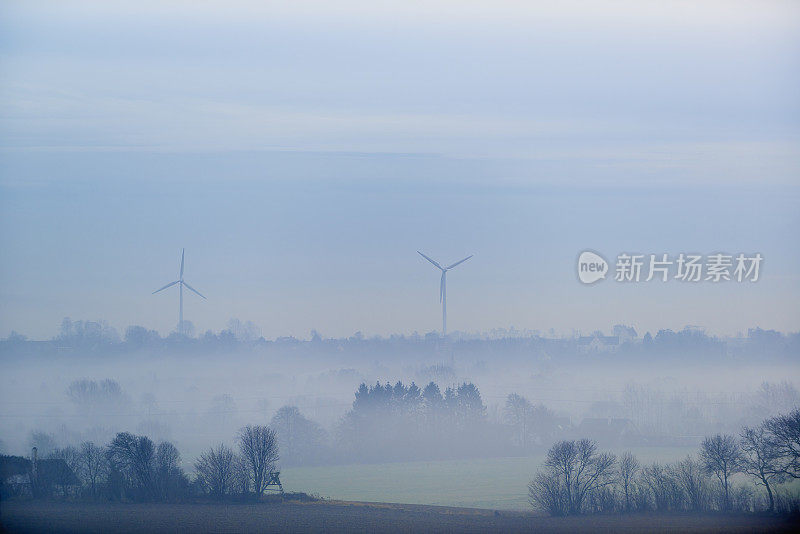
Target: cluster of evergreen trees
{"x":404,"y":422}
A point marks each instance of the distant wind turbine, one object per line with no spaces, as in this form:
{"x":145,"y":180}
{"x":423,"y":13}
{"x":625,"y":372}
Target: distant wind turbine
{"x":443,"y":287}
{"x":180,"y":283}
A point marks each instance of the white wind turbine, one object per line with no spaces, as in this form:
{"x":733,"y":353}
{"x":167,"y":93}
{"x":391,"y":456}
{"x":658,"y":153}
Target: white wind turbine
{"x":443,"y":286}
{"x":180,"y":283}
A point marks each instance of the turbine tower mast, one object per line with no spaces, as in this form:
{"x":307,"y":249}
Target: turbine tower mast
{"x":180,"y":290}
{"x":443,"y":286}
{"x":181,"y":282}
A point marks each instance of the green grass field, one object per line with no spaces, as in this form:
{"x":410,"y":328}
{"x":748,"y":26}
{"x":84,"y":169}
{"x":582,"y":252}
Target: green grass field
{"x":496,"y":483}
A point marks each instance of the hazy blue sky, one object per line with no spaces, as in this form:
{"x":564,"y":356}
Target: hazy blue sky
{"x":302,"y":153}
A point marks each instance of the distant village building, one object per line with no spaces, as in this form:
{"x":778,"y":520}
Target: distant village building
{"x":626,"y":334}
{"x":15,"y":475}
{"x":33,"y":477}
{"x":598,"y":343}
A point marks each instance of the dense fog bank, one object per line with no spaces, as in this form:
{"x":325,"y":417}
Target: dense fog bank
{"x":430,"y":398}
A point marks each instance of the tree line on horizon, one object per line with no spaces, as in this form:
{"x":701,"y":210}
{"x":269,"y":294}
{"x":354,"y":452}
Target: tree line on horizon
{"x":99,"y":335}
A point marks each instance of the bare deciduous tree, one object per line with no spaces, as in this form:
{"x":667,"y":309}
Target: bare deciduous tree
{"x":573,"y":469}
{"x":546,"y":493}
{"x":721,"y":457}
{"x":692,"y":480}
{"x":664,"y":487}
{"x":215,"y":469}
{"x":168,"y":474}
{"x":784,"y":433}
{"x":761,"y":459}
{"x":240,"y":481}
{"x":92,"y":465}
{"x":133,"y":456}
{"x":259,"y":447}
{"x":628,"y":467}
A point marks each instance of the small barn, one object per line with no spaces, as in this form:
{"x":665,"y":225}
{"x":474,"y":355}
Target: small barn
{"x":21,"y":476}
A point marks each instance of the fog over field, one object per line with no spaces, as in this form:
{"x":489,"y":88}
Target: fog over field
{"x":538,"y":257}
{"x":670,"y":390}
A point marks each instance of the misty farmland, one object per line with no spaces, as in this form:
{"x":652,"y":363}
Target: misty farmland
{"x":464,"y":421}
{"x":485,"y":266}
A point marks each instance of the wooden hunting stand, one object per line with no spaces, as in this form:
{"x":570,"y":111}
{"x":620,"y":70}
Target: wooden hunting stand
{"x":274,"y":479}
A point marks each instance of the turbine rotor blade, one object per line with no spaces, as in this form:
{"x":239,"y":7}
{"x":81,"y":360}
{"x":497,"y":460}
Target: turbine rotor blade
{"x":192,"y":289}
{"x":441,"y":286}
{"x":430,"y":260}
{"x":182,"y":252}
{"x":458,"y":262}
{"x":166,"y":286}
